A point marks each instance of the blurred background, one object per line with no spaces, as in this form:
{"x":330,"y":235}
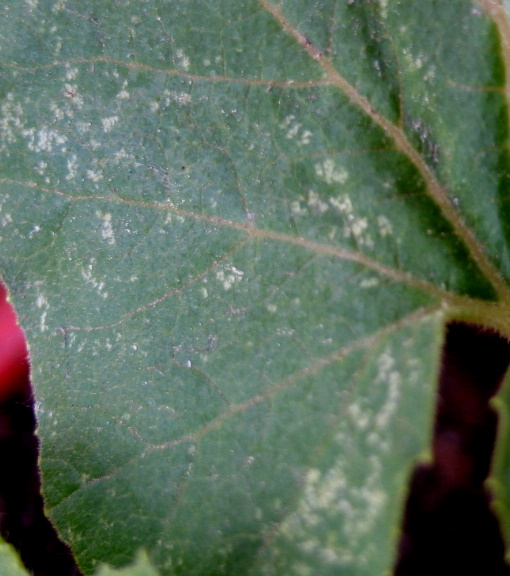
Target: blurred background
{"x":14,"y":367}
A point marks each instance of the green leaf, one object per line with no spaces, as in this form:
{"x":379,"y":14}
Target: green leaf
{"x":10,"y":565}
{"x":142,"y":567}
{"x":234,"y":232}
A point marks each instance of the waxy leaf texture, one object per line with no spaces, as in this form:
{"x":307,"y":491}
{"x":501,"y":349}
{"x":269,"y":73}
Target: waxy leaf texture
{"x":234,"y":232}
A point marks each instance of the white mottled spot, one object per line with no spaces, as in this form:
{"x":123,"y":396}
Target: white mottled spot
{"x":71,"y":72}
{"x":385,"y":227}
{"x":109,"y":123}
{"x":332,"y":498}
{"x":297,"y":209}
{"x":58,"y":113}
{"x":44,"y":140}
{"x":357,"y":226}
{"x":59,"y":5}
{"x":41,"y":167}
{"x":369,"y":282}
{"x":5,"y":219}
{"x":32,"y":4}
{"x":384,"y":8}
{"x":182,"y":59}
{"x":342,"y":203}
{"x":106,"y":226}
{"x":123,"y":94}
{"x":94,"y":176}
{"x":315,"y":202}
{"x":305,"y":137}
{"x":229,"y":276}
{"x":83,"y":127}
{"x":391,"y":379}
{"x":285,"y":331}
{"x":42,"y":303}
{"x":34,"y":231}
{"x":121,"y":154}
{"x":430,"y":73}
{"x":272,"y":308}
{"x":72,"y":164}
{"x":88,"y":276}
{"x":75,"y":102}
{"x":293,"y":130}
{"x":330,"y":173}
{"x":10,"y":119}
{"x":170,"y":96}
{"x":415,"y":63}
{"x":204,"y":292}
{"x":70,"y":90}
{"x":360,"y":417}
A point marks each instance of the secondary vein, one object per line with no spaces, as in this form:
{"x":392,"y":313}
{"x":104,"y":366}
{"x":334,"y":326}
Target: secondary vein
{"x":265,"y":234}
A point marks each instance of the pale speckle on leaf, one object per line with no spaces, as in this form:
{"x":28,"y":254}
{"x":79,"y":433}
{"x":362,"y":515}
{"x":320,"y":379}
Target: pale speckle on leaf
{"x":109,"y":123}
{"x":10,"y":120}
{"x":182,"y":60}
{"x":106,"y":226}
{"x":369,"y":282}
{"x":42,"y":303}
{"x":330,"y":173}
{"x":5,"y":219}
{"x":293,"y":130}
{"x":88,"y":275}
{"x":44,"y":140}
{"x":72,"y":165}
{"x":59,"y":5}
{"x":170,"y":96}
{"x":315,"y":202}
{"x":123,"y":94}
{"x":229,"y":276}
{"x":94,"y":176}
{"x":384,"y":8}
{"x":385,"y":227}
{"x":83,"y":127}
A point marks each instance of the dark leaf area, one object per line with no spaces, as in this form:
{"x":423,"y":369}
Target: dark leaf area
{"x":449,"y":527}
{"x":22,"y":521}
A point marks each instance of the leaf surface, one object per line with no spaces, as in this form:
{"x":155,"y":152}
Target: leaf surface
{"x":142,"y":567}
{"x":233,"y":233}
{"x":10,"y":565}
